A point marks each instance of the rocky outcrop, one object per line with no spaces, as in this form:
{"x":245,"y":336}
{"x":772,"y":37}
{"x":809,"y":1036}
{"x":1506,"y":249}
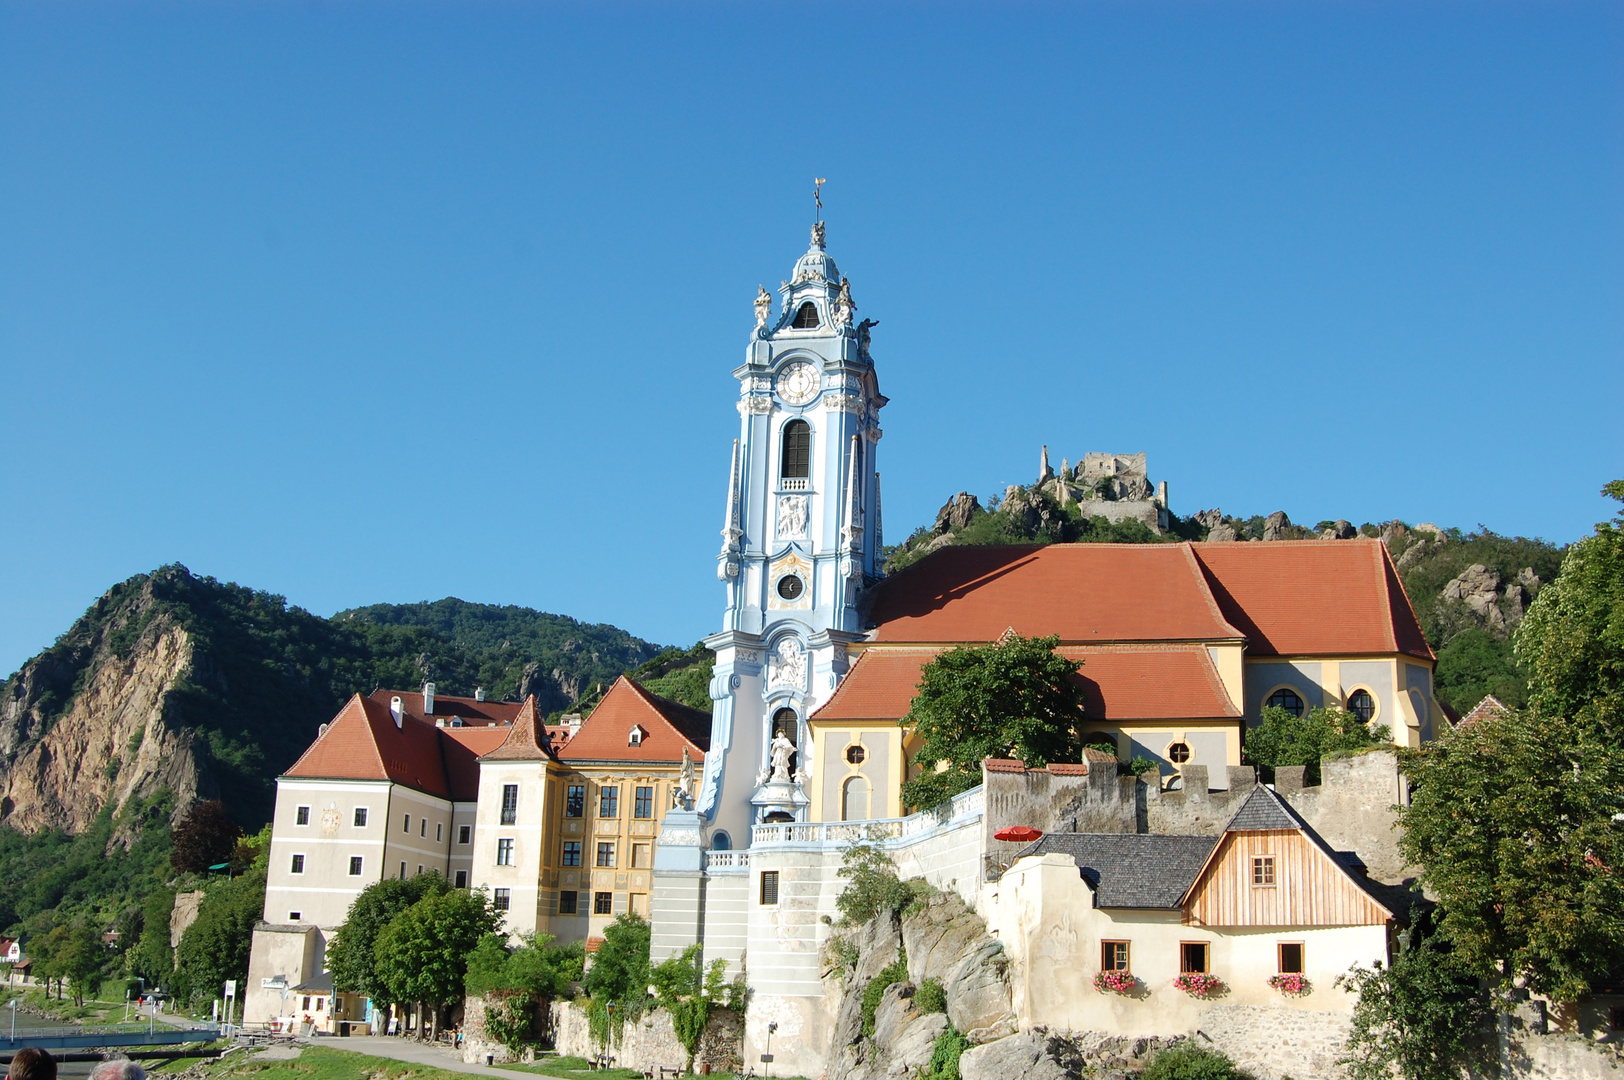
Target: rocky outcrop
{"x":1341,"y":529}
{"x":1223,"y":533}
{"x":948,"y":942}
{"x":84,"y":724}
{"x":959,"y":511}
{"x":1276,"y":526}
{"x":1039,"y":1054}
{"x":1478,"y":587}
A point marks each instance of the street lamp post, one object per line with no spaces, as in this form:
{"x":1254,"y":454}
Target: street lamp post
{"x":14,"y":1020}
{"x":767,"y":1058}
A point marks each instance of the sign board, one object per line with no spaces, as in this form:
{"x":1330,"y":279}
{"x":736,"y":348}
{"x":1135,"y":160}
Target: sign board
{"x":231,"y":988}
{"x":766,"y":1059}
{"x":275,"y":983}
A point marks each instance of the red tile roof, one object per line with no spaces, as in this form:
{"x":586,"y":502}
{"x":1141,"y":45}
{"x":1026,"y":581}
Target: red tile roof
{"x":1120,"y":682}
{"x":1490,"y":706}
{"x":362,"y":743}
{"x":1082,"y":592}
{"x":445,"y":706}
{"x":1314,"y":597}
{"x":605,"y":734}
{"x":1054,"y":768}
{"x":463,"y":747}
{"x":522,"y":742}
{"x":1286,"y":598}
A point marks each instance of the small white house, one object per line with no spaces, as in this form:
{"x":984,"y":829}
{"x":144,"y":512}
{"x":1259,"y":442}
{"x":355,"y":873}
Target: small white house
{"x":1143,"y":934}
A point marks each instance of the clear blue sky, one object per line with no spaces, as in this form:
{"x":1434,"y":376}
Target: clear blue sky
{"x":388,"y":302}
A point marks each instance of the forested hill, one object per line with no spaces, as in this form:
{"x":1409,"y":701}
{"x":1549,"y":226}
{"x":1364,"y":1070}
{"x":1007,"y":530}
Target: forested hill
{"x":177,"y":683}
{"x":520,"y":651}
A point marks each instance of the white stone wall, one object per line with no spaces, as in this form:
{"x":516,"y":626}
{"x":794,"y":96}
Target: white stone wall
{"x":322,"y":894}
{"x":649,"y":1041}
{"x":523,"y":878}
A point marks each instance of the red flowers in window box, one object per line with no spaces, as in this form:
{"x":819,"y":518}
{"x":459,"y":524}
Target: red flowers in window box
{"x":1115,"y":982}
{"x":1198,"y":983}
{"x":1292,"y":984}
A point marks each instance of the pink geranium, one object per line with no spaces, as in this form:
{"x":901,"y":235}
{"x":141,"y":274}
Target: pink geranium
{"x":1292,"y":984}
{"x":1198,"y":983}
{"x":1115,"y":982}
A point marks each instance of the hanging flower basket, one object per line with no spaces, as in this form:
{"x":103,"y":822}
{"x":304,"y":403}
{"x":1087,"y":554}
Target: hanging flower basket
{"x":1292,"y":985}
{"x":1115,"y":982}
{"x":1199,"y":983}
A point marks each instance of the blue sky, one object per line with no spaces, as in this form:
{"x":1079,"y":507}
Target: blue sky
{"x":388,"y":302}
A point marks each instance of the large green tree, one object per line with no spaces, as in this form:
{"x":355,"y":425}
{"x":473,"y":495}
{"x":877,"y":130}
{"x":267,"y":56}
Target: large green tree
{"x":1018,"y":698}
{"x":687,"y":990}
{"x":1516,"y":819}
{"x":618,"y":980}
{"x":422,"y":955}
{"x":1284,"y":739}
{"x":350,"y":955}
{"x":216,"y":946}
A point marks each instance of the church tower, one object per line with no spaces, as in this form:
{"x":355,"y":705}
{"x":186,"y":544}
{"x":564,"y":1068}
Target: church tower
{"x":799,"y":543}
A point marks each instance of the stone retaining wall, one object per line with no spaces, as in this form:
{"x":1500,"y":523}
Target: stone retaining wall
{"x":1276,"y":1043}
{"x":649,"y":1041}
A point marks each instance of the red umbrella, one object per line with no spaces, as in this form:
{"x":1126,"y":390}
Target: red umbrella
{"x":1018,"y":834}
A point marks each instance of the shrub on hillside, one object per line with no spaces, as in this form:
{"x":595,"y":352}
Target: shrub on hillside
{"x":1184,"y":1060}
{"x":1284,"y":739}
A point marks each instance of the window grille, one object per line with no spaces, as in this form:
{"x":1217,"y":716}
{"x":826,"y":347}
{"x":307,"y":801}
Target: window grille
{"x":510,"y":804}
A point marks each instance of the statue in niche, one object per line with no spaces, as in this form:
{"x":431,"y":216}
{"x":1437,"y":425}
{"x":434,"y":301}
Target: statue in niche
{"x":781,"y":748}
{"x":792,"y":517}
{"x":764,"y":306}
{"x":788,"y":665}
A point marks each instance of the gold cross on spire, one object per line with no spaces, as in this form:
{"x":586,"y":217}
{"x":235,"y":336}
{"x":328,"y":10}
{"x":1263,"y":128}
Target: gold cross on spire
{"x":817,"y":195}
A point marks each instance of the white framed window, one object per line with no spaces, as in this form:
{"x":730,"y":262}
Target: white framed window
{"x":301,"y":815}
{"x":355,"y":866}
{"x":502,"y":899}
{"x":504,"y":852}
{"x":461,"y":879}
{"x":465,"y":834}
{"x":439,"y":832}
{"x":360,"y":817}
{"x":297,"y":866}
{"x":406,"y":824}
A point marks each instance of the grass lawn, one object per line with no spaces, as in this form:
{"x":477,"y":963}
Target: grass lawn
{"x":318,"y":1063}
{"x":574,"y":1068}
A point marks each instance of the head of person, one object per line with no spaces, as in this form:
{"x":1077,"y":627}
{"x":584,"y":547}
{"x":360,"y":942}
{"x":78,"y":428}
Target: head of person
{"x":32,"y":1063}
{"x":118,"y":1069}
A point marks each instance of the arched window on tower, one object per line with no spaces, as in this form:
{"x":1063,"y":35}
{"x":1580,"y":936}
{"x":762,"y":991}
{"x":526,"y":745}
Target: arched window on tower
{"x":806,"y":317}
{"x":795,"y":463}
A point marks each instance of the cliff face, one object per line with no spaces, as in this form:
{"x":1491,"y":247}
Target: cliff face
{"x":83,"y":724}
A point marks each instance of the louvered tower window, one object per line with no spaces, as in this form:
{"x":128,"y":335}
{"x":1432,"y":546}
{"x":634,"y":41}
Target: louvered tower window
{"x":806,"y":316}
{"x":797,"y":457}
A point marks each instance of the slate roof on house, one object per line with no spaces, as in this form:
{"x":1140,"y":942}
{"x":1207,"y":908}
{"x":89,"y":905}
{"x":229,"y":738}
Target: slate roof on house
{"x":1119,"y":682}
{"x":1264,"y":811}
{"x":1284,"y":597}
{"x":669,"y":726}
{"x":1131,"y":870}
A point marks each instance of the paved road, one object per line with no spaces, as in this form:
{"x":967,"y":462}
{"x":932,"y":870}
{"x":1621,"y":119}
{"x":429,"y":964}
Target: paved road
{"x":415,"y":1052}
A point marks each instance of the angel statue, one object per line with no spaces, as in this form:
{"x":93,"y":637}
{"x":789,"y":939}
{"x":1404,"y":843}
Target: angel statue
{"x":764,"y":306}
{"x":844,"y":304}
{"x":782,"y":748}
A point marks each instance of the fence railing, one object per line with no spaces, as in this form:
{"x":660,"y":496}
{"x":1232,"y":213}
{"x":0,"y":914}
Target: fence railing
{"x":960,"y":808}
{"x":727,"y":860}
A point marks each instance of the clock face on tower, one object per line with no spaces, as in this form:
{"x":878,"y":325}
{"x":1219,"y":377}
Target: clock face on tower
{"x":798,"y":383}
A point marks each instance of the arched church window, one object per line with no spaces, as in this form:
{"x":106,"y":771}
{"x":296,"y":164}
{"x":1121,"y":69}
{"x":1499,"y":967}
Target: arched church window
{"x":796,"y":460}
{"x":806,"y":316}
{"x":1287,"y":700}
{"x":1362,"y":705}
{"x":854,"y":800}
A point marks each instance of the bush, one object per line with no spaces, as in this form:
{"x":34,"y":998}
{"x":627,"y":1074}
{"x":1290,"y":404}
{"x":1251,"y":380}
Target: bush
{"x":872,"y":885}
{"x":1184,"y":1060}
{"x":931,"y":998}
{"x":944,"y":1059}
{"x":896,"y":972}
{"x":1284,"y":739}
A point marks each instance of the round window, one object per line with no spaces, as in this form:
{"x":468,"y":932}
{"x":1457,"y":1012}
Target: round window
{"x":1178,"y":753}
{"x":791,"y":587}
{"x":855,"y":754}
{"x":1287,"y":700}
{"x":1362,"y":705}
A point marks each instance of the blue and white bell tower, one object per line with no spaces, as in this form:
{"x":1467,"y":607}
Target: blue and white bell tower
{"x":799,"y":543}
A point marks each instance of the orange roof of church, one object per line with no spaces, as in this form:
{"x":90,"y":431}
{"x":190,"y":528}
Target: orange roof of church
{"x":1120,"y":682}
{"x":1082,"y":592}
{"x":1285,"y":598}
{"x":669,"y":726}
{"x":1314,"y":597}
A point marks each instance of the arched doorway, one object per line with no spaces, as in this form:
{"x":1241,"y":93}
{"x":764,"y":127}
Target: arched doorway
{"x":854,"y":799}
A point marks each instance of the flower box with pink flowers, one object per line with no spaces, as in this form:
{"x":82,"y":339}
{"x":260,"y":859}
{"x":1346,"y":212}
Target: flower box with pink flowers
{"x":1292,"y":984}
{"x":1199,"y":983}
{"x":1115,"y":982}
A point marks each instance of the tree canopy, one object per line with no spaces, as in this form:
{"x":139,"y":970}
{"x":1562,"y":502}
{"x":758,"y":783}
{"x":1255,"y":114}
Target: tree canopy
{"x":350,"y":955}
{"x":205,"y":837}
{"x":687,"y":990}
{"x":1513,"y":817}
{"x":1017,"y":698}
{"x":1283,"y":739}
{"x":619,"y":978}
{"x":422,"y":954}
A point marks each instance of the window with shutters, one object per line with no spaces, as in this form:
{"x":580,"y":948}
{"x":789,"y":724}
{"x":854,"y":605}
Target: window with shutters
{"x":1113,"y":956}
{"x":795,"y":463}
{"x":769,"y":886}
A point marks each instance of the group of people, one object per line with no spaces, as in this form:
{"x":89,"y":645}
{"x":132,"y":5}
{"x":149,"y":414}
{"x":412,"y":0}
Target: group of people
{"x":32,"y":1063}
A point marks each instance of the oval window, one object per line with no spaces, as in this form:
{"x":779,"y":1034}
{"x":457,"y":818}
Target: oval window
{"x":1178,"y":753}
{"x":1362,"y":705}
{"x":791,"y":587}
{"x":1287,"y":700}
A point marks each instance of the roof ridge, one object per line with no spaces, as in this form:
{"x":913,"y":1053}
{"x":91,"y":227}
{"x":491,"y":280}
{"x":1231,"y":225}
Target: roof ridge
{"x":522,"y":735}
{"x":1201,"y":571}
{"x":356,"y":700}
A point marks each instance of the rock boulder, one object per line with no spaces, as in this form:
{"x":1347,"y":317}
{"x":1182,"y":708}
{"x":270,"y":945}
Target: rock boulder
{"x":948,"y":942}
{"x":1277,"y":526}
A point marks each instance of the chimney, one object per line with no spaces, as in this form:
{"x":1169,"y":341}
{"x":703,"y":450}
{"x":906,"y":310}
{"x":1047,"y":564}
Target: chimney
{"x":479,"y":693}
{"x":428,"y":699}
{"x":440,"y":722}
{"x":321,"y":731}
{"x":397,"y":709}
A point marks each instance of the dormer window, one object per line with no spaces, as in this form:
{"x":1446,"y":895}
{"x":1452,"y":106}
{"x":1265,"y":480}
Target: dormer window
{"x":636,"y":737}
{"x":806,"y":317}
{"x":796,"y":459}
